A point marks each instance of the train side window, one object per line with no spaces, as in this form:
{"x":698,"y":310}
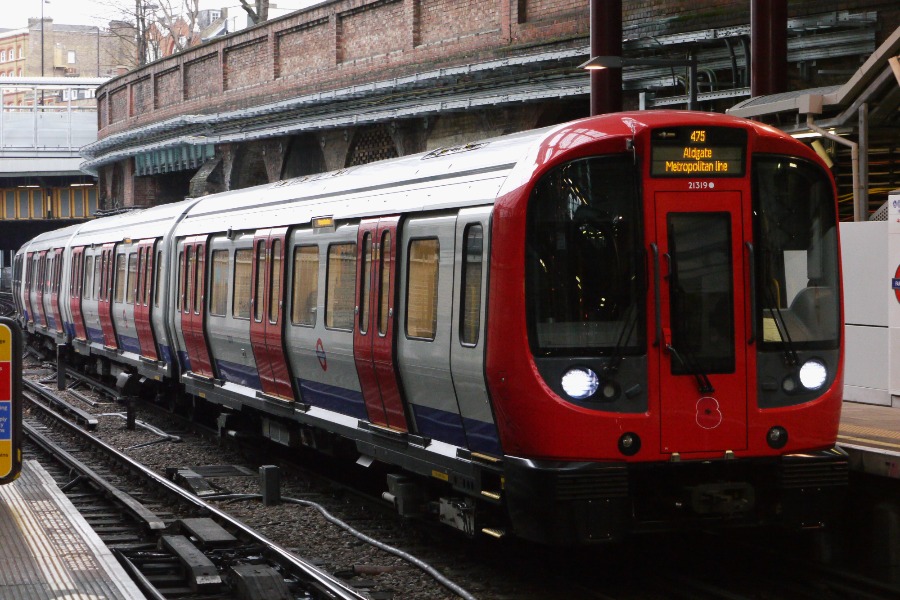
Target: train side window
{"x":179,"y":281}
{"x":158,"y":278}
{"x":98,"y":276}
{"x":243,"y":274}
{"x":385,"y":276}
{"x":148,"y":276}
{"x":73,"y":277}
{"x":275,"y":282}
{"x":470,"y":303}
{"x":131,"y":282}
{"x":260,"y":280}
{"x":340,"y":290}
{"x":190,"y":274}
{"x":198,"y":275}
{"x":421,"y":289}
{"x":88,"y":276}
{"x":365,"y":283}
{"x":218,"y":295}
{"x":306,"y":286}
{"x":120,"y":278}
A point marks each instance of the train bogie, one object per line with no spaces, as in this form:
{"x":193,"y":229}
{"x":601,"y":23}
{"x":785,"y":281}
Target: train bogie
{"x":630,"y":322}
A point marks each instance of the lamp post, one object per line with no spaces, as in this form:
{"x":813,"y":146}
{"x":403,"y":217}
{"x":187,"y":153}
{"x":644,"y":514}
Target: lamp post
{"x":618,"y":62}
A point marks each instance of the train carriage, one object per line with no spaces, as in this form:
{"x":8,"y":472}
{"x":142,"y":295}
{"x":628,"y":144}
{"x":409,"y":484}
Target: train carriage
{"x":624,"y":323}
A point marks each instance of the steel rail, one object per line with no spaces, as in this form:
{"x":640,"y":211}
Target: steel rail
{"x":312,"y":576}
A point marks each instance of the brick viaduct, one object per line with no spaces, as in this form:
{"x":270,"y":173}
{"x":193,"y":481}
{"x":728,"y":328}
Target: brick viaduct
{"x":351,"y":81}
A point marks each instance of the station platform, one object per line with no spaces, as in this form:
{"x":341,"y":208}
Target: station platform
{"x":871,"y":436}
{"x":48,"y":550}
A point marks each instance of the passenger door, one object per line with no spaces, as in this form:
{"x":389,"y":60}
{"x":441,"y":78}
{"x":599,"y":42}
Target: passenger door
{"x":700,"y":276}
{"x":267,"y":312}
{"x":76,"y":291}
{"x":374,"y":345}
{"x":193,"y":313}
{"x":107,"y":257}
{"x":146,"y":251}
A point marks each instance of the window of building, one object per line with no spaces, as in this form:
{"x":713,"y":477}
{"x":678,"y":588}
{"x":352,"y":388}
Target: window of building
{"x":2,"y":55}
{"x":243,"y":279}
{"x":306,"y":286}
{"x":218,"y":297}
{"x":70,"y":57}
{"x":340,"y":292}
{"x":421,"y":291}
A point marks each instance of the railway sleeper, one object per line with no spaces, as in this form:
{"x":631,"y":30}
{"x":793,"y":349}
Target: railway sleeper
{"x":200,"y":570}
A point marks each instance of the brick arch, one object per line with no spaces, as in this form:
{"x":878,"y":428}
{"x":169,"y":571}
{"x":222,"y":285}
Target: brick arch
{"x":304,"y":156}
{"x":248,"y":167}
{"x":371,"y":143}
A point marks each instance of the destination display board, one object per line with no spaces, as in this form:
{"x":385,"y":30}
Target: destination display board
{"x":10,"y":400}
{"x":698,"y":152}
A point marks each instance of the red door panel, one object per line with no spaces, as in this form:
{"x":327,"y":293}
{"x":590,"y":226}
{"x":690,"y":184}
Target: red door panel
{"x":374,"y":344}
{"x":40,"y":282}
{"x":55,"y":280}
{"x":267,"y":319}
{"x":108,"y":269}
{"x":76,"y":290}
{"x":193,"y":313}
{"x":703,"y":371}
{"x":142,"y":302}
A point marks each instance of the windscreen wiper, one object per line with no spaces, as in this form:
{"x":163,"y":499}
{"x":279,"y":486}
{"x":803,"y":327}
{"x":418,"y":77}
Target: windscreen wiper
{"x":703,"y":383}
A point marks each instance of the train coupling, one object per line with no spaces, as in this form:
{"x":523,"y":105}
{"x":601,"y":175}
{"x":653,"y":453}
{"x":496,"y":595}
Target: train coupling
{"x":732,"y":498}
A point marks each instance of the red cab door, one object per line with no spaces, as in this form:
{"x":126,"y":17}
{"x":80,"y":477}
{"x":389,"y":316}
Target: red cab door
{"x":107,"y":271}
{"x":374,"y":347}
{"x":267,"y":314}
{"x":76,"y":290}
{"x":703,"y":367}
{"x":193,"y":313}
{"x":146,"y":250}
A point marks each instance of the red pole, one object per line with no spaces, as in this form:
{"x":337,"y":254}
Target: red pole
{"x":768,"y":47}
{"x":606,"y":40}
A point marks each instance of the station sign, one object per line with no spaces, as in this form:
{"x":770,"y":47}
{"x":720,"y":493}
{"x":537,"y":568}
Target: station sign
{"x":10,"y":400}
{"x":698,"y":152}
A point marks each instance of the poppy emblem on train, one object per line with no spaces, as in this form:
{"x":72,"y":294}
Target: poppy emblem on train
{"x":709,"y":415}
{"x":895,"y":283}
{"x":320,"y":354}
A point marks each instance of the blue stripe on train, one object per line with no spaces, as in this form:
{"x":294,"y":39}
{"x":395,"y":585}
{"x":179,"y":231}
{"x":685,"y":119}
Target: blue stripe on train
{"x":450,"y":427}
{"x":330,"y":397}
{"x":129,"y":344}
{"x":239,"y":374}
{"x":95,"y":335}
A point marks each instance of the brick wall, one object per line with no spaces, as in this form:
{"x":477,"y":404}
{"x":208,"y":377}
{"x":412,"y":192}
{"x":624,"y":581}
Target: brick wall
{"x":346,"y":42}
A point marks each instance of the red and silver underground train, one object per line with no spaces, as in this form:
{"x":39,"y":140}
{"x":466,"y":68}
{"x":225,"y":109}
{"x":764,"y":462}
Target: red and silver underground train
{"x":625,"y":323}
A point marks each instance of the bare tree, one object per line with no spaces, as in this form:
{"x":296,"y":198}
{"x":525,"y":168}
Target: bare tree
{"x":259,"y":12}
{"x":161,"y":27}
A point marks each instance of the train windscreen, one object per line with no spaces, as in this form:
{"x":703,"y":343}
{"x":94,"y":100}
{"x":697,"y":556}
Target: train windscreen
{"x":584,"y":281}
{"x":797,"y":255}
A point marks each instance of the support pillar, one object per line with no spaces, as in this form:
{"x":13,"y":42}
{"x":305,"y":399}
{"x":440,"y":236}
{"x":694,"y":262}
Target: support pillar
{"x":768,"y":47}
{"x":606,"y":40}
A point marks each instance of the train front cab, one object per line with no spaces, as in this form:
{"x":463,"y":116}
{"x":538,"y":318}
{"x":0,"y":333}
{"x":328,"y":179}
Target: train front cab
{"x":683,"y":305}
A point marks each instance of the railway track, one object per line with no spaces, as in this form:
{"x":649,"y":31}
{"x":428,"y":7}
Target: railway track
{"x":152,"y":525}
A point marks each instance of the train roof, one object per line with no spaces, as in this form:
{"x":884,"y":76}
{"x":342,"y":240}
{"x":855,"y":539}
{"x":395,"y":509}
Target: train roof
{"x":464,"y":175}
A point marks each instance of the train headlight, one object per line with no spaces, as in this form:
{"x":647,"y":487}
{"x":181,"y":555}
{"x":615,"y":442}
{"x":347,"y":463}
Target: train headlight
{"x":580,"y":383}
{"x":813,"y":374}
